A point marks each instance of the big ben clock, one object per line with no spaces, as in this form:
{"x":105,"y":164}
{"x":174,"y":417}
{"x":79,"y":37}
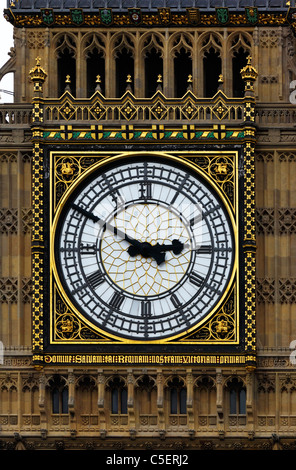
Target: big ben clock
{"x":143,"y":247}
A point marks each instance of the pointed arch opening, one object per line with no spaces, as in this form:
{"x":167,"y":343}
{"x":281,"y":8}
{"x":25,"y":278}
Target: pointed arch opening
{"x":182,"y":70}
{"x":153,"y":68}
{"x":66,"y":64}
{"x":124,"y":64}
{"x":239,"y":60}
{"x":95,"y":67}
{"x":212,"y":69}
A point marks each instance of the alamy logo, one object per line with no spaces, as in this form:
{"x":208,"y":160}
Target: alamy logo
{"x":293,"y":353}
{"x":292,"y":96}
{"x":1,"y":353}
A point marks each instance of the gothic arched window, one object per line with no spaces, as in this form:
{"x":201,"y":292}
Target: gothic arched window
{"x":94,"y":52}
{"x":178,"y":396}
{"x":66,"y":63}
{"x":182,"y":70}
{"x":124,"y":69}
{"x":212,"y":70}
{"x":239,"y":51}
{"x":153,"y":63}
{"x":237,"y":397}
{"x":118,"y":396}
{"x":147,"y":394}
{"x":87,"y":394}
{"x":124,"y":62}
{"x":239,"y":60}
{"x":59,"y":395}
{"x":182,"y":50}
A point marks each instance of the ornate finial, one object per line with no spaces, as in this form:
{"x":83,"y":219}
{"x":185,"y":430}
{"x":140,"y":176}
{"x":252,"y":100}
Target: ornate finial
{"x":159,"y":78}
{"x":98,"y":82}
{"x":249,"y":75}
{"x":220,"y":82}
{"x":38,"y":75}
{"x":128,"y":83}
{"x":68,"y":81}
{"x":189,"y":81}
{"x":249,"y":72}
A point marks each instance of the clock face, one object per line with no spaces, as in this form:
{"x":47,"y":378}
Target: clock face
{"x":145,"y":249}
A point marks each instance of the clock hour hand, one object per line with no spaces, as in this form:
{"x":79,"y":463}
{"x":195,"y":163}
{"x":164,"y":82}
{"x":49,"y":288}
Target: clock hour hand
{"x":156,"y":251}
{"x":176,"y":247}
{"x":146,"y":250}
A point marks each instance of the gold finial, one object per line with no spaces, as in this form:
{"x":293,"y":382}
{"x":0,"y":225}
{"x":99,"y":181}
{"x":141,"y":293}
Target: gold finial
{"x":221,"y":79}
{"x":98,"y":81}
{"x":249,"y":72}
{"x":67,"y":79}
{"x":189,"y":80}
{"x":129,"y":79}
{"x":38,"y":75}
{"x":159,"y":78}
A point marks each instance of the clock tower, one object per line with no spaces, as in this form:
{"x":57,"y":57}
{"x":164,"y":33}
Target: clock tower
{"x":142,"y":141}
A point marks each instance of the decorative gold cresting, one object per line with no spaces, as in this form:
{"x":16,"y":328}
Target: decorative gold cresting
{"x":38,"y":76}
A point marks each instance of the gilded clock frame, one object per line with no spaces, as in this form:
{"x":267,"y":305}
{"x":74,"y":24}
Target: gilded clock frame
{"x":68,"y":170}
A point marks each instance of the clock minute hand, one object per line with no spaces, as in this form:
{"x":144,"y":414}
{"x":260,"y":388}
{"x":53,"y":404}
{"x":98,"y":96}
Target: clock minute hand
{"x":144,"y":249}
{"x":106,"y":225}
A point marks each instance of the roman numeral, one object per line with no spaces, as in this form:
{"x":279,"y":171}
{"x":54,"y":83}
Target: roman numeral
{"x":175,"y":301}
{"x":145,"y":190}
{"x":117,"y":198}
{"x":116,"y":300}
{"x":177,"y":304}
{"x":196,"y":279}
{"x":195,"y":219}
{"x":95,"y":279}
{"x":179,"y":188}
{"x":87,"y":249}
{"x":205,"y":249}
{"x":145,"y":309}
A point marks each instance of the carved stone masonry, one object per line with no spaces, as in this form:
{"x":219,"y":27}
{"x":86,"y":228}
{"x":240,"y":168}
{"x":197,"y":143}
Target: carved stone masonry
{"x":287,"y":288}
{"x":287,"y":220}
{"x":9,"y":220}
{"x":265,"y":290}
{"x":266,"y":383}
{"x":9,"y":290}
{"x":265,"y":220}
